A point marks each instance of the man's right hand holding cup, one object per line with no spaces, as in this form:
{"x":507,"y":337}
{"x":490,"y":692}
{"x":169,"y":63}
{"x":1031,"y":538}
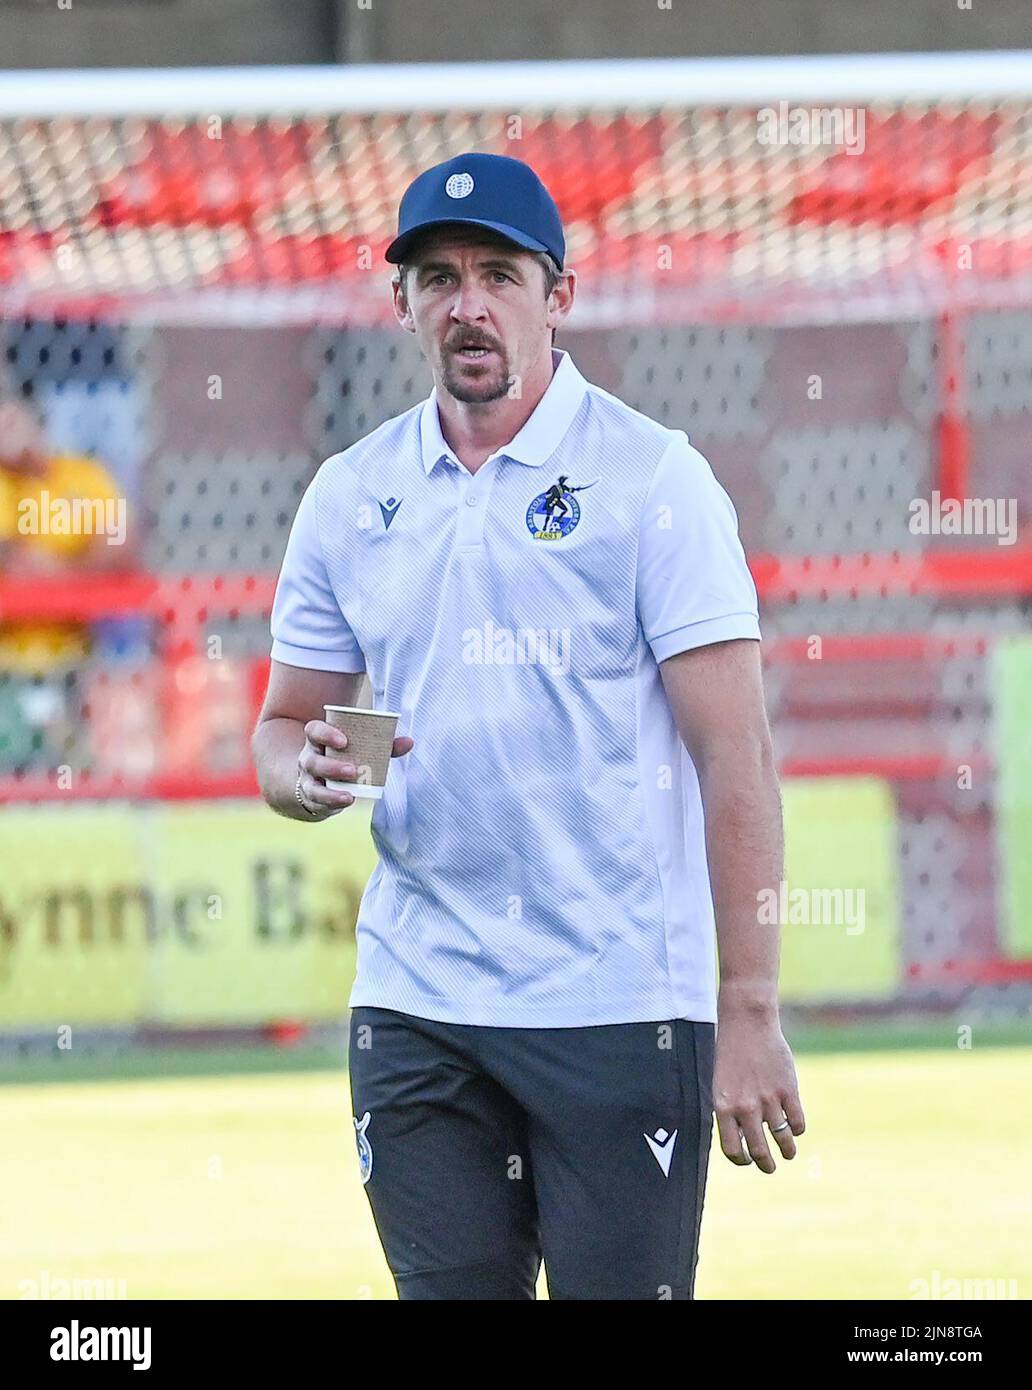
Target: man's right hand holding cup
{"x":325,"y":758}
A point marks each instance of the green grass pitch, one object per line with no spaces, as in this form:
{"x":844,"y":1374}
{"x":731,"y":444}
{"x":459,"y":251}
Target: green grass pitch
{"x":915,"y":1167}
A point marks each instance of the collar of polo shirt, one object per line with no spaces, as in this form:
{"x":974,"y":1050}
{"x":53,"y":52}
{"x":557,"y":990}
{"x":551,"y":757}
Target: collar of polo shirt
{"x":539,"y":438}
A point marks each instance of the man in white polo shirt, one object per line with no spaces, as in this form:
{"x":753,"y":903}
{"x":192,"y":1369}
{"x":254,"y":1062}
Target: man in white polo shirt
{"x":550,"y":587}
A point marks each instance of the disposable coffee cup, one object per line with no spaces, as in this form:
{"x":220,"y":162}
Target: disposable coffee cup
{"x":370,"y":735}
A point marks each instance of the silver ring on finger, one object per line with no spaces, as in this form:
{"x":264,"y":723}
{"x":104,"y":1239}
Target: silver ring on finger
{"x":778,"y":1128}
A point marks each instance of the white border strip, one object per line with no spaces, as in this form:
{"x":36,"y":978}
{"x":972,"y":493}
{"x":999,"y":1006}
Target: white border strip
{"x":637,"y":83}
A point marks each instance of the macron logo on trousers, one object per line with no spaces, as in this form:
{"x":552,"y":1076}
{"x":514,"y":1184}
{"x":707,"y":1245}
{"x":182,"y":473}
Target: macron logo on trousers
{"x":662,"y":1146}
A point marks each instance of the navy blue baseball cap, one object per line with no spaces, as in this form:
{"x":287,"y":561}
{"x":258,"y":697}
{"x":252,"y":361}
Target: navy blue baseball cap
{"x":481,"y":190}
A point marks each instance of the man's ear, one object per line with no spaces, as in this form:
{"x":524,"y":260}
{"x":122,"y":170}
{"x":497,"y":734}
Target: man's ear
{"x":402,"y":310}
{"x":561,"y":298}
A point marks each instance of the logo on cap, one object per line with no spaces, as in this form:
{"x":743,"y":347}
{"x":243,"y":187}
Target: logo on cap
{"x":459,"y":186}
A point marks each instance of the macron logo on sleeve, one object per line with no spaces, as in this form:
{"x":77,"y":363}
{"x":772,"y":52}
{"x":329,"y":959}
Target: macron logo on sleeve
{"x":389,"y":510}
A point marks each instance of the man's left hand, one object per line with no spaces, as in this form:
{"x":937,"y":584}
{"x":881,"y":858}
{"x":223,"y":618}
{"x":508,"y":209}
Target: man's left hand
{"x":754,"y":1081}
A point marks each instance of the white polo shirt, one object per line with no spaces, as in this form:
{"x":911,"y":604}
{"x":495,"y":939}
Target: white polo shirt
{"x":542,"y":854}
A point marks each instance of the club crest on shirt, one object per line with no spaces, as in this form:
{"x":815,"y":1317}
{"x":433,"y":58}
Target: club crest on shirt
{"x":365,"y":1149}
{"x":554,"y":513}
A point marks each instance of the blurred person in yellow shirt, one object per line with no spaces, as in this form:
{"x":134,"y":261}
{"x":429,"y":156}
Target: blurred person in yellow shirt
{"x":58,"y":513}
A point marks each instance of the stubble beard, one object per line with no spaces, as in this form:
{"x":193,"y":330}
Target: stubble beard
{"x":489,"y":386}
